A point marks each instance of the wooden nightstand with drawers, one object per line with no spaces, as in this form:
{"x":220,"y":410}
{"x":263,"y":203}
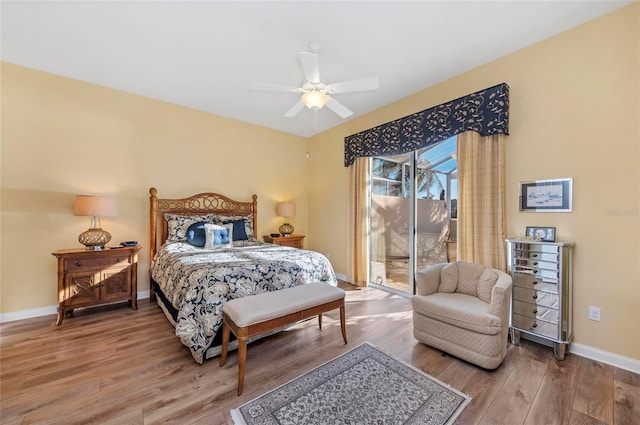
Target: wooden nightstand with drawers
{"x":294,"y":241}
{"x":88,"y":278}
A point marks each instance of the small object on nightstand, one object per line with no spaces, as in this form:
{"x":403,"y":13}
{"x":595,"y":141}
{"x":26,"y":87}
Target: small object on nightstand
{"x":129,"y":243}
{"x":274,"y":235}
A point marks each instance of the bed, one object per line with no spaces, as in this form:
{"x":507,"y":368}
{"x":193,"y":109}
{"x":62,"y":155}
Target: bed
{"x":191,"y":283}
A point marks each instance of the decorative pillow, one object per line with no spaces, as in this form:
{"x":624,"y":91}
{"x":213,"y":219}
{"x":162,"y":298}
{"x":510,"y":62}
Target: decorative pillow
{"x":217,"y":236}
{"x":468,"y":274}
{"x":177,"y":225}
{"x":486,"y":282}
{"x":239,"y":229}
{"x":248,"y":224}
{"x":196,"y":234}
{"x":448,"y":278}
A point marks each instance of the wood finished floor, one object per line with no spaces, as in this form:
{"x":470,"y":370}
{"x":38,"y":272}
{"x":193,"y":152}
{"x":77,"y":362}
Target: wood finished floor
{"x":118,"y":366}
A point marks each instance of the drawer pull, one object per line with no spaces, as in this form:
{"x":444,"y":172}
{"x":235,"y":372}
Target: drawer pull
{"x":535,"y":311}
{"x":535,"y":325}
{"x":535,"y":297}
{"x":535,"y":263}
{"x":535,"y":282}
{"x":79,"y":263}
{"x":118,"y":260}
{"x":535,"y":255}
{"x":535,"y":271}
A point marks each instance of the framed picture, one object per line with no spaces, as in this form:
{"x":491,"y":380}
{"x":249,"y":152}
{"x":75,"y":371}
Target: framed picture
{"x":546,"y":195}
{"x":547,"y":234}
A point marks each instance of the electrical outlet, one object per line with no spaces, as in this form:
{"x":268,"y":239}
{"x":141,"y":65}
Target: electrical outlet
{"x":594,"y":313}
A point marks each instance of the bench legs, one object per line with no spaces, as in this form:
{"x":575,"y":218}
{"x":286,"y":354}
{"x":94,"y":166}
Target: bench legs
{"x":343,"y":326}
{"x":225,"y":343}
{"x":242,"y":350}
{"x":243,"y":333}
{"x":242,"y":360}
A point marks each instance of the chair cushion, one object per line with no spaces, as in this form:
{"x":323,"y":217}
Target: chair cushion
{"x":468,"y":274}
{"x":449,"y":278}
{"x":464,"y":311}
{"x":486,"y":282}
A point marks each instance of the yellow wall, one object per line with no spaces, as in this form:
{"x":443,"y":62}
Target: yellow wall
{"x":62,"y":137}
{"x":574,"y":108}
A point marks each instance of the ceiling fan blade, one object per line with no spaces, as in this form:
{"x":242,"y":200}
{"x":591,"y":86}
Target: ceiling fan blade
{"x":310,"y":66}
{"x":338,"y":108}
{"x":274,"y":87}
{"x":294,"y":110}
{"x":361,"y":84}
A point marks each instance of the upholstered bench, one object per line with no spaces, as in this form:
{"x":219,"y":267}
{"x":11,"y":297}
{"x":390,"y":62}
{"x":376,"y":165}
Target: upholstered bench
{"x":257,"y":314}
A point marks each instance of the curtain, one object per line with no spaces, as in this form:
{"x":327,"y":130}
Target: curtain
{"x":485,"y":111}
{"x":358,"y":212}
{"x":481,"y":199}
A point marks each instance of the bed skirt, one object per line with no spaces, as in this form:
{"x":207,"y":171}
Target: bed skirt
{"x":215,"y":348}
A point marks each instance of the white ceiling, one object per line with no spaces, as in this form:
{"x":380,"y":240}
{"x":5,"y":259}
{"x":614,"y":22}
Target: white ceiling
{"x":204,"y":55}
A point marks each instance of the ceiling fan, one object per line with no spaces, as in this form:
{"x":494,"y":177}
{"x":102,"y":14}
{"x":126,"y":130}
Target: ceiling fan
{"x":316,"y":94}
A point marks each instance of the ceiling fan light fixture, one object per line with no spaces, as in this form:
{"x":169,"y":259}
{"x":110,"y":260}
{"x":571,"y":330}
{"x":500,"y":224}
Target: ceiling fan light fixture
{"x":314,"y":99}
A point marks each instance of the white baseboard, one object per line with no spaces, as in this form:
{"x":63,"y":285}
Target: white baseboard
{"x":28,"y":314}
{"x":341,"y":276}
{"x":43,"y":311}
{"x":592,"y":353}
{"x":607,"y":357}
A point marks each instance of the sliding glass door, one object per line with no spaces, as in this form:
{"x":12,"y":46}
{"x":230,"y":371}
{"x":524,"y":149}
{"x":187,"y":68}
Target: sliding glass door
{"x":390,"y":241}
{"x":412,"y":219}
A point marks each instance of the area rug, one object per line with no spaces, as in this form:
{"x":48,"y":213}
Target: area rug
{"x":363,"y":386}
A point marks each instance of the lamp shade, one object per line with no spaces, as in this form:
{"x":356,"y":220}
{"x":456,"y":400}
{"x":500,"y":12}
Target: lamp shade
{"x":286,"y":209}
{"x":96,"y":206}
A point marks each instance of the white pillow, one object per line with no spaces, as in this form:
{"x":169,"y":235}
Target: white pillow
{"x":218,"y":236}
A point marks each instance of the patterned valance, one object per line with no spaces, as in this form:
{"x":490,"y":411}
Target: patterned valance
{"x":485,"y":111}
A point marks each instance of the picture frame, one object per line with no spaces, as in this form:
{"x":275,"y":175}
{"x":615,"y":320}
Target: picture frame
{"x":546,"y":234}
{"x":546,"y":195}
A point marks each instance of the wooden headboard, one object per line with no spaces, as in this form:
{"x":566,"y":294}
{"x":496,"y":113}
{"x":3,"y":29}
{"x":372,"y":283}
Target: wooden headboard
{"x":202,"y":203}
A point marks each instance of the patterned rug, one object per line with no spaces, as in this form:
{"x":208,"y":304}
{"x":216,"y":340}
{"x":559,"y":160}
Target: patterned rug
{"x":363,"y":386}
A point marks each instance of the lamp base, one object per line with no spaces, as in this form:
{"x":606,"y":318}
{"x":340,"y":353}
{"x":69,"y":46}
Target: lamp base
{"x":286,"y":230}
{"x":94,"y":239}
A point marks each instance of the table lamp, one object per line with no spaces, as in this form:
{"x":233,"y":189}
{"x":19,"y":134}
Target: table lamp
{"x":286,"y":210}
{"x":94,"y":206}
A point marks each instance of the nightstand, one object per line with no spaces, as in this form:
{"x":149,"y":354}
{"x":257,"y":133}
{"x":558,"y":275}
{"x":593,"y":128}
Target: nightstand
{"x":88,"y":278}
{"x":294,"y":241}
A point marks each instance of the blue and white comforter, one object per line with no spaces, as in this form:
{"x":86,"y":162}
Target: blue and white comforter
{"x":197,"y":281}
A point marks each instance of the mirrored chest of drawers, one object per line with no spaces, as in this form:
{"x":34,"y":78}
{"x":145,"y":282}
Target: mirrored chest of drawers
{"x":541,"y":302}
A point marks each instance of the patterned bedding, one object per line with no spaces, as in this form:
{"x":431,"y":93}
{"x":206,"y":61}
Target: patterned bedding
{"x":196,"y":282}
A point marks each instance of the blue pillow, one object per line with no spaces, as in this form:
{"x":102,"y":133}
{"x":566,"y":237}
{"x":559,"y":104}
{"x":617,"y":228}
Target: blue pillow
{"x":196,"y":234}
{"x":220,"y":237}
{"x":239,"y":231}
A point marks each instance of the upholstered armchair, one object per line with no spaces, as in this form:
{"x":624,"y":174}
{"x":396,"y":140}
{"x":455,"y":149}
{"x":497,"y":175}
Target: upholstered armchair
{"x":463,"y":309}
